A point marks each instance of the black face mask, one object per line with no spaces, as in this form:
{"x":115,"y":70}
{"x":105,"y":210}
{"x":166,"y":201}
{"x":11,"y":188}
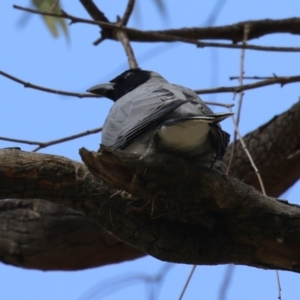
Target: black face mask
{"x":122,"y":84}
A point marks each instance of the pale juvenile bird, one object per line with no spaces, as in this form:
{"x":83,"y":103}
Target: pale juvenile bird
{"x":151,"y":113}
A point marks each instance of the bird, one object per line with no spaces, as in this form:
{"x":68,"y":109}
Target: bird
{"x":151,"y":114}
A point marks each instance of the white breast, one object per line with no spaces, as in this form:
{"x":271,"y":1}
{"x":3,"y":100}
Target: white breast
{"x":185,"y":136}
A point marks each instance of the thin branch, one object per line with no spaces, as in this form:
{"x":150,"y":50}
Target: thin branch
{"x":53,"y":142}
{"x":122,"y":37}
{"x":242,"y":72}
{"x":255,"y":169}
{"x":260,"y":182}
{"x":2,"y":138}
{"x":254,"y":77}
{"x":94,"y":11}
{"x":68,"y":138}
{"x":128,"y":12}
{"x":109,"y":286}
{"x":101,"y":20}
{"x":278,"y":284}
{"x":237,"y":89}
{"x":230,"y":268}
{"x":226,"y":282}
{"x":187,"y":282}
{"x":45,"y":89}
{"x":235,"y":32}
{"x":97,"y":15}
{"x":152,"y":36}
{"x":65,"y":15}
{"x":230,"y":89}
{"x":248,"y":154}
{"x":119,"y":34}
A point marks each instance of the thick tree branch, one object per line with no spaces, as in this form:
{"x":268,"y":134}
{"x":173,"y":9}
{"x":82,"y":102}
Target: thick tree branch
{"x":42,"y":235}
{"x":273,"y":146}
{"x":184,"y":214}
{"x":208,"y":218}
{"x":196,"y":216}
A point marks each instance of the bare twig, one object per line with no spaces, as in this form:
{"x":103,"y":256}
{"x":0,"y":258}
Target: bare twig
{"x":54,"y":142}
{"x":254,"y":77}
{"x":154,"y":36}
{"x":278,"y":284}
{"x":229,"y":89}
{"x":226,"y":282}
{"x":237,"y":89}
{"x":121,"y":36}
{"x":101,"y":20}
{"x":108,"y":286}
{"x":248,"y":154}
{"x":246,"y":33}
{"x":97,"y":15}
{"x":128,"y":12}
{"x":94,"y":11}
{"x":187,"y":282}
{"x":2,"y":138}
{"x":45,"y":89}
{"x":230,"y":268}
{"x":68,"y":138}
{"x":242,"y":72}
{"x":99,"y":40}
{"x":118,"y":33}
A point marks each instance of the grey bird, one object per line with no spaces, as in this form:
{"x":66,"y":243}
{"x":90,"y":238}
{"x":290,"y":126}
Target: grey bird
{"x":151,"y":113}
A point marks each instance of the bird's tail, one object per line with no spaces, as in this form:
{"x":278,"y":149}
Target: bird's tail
{"x":219,"y":117}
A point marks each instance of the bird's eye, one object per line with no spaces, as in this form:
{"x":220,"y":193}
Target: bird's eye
{"x":128,"y":75}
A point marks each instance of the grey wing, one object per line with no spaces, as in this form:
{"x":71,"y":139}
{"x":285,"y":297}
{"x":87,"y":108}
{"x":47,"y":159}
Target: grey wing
{"x":131,"y":116}
{"x":195,"y":99}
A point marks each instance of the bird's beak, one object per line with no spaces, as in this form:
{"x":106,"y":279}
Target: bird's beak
{"x":102,"y":89}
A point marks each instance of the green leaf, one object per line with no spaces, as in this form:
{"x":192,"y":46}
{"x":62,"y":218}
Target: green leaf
{"x":52,"y":23}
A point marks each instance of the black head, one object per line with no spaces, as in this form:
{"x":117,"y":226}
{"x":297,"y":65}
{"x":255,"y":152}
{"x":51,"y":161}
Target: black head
{"x":122,"y":84}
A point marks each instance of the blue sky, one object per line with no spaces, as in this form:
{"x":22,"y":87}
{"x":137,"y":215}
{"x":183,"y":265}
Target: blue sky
{"x":32,"y":54}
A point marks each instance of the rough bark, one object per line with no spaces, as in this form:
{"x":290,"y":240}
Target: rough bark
{"x":233,"y":32}
{"x":38,"y":234}
{"x":186,"y":214}
{"x":274,"y":147}
{"x":195,"y":215}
